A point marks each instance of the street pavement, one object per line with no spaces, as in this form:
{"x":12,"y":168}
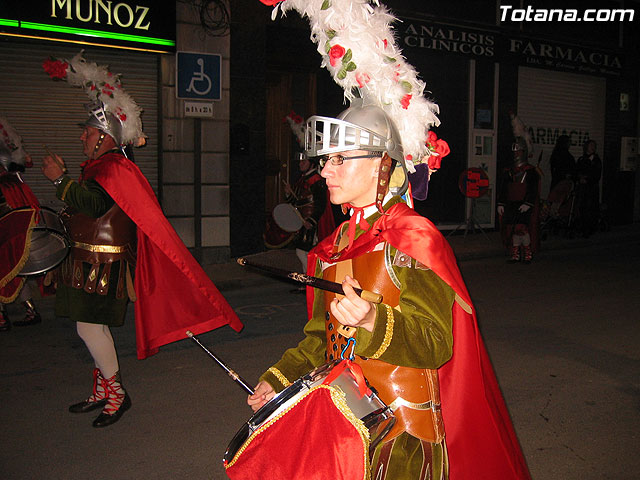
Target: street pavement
{"x":562,"y":334}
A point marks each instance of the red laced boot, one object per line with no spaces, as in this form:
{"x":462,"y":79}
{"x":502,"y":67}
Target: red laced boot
{"x":97,"y":399}
{"x":31,"y":316}
{"x":118,"y":402}
{"x":527,"y":254}
{"x":514,"y":254}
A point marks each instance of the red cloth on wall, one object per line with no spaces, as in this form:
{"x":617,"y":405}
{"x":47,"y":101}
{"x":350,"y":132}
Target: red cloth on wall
{"x":174,"y":294}
{"x":313,"y":440}
{"x":481,"y":441}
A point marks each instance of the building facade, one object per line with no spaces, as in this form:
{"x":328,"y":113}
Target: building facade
{"x":215,"y":80}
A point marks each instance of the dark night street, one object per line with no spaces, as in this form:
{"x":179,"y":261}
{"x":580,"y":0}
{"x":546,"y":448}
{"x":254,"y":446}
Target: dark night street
{"x":562,"y":334}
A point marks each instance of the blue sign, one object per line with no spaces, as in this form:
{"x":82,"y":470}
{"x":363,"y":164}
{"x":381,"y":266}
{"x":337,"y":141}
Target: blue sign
{"x":198,"y":76}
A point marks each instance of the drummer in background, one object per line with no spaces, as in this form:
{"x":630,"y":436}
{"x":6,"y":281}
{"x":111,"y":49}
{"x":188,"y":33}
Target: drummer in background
{"x":309,"y":196}
{"x":116,"y":226}
{"x":408,"y":343}
{"x":15,"y":193}
{"x":96,"y":298}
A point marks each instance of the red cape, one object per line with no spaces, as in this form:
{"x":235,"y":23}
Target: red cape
{"x":15,"y":242}
{"x":173,"y":292}
{"x":481,"y":441}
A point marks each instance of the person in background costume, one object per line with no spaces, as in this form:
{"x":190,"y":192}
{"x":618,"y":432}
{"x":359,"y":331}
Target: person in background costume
{"x":309,"y":196}
{"x":588,"y":173}
{"x":118,"y":233}
{"x":17,"y":226}
{"x":518,"y":205}
{"x":562,"y":163}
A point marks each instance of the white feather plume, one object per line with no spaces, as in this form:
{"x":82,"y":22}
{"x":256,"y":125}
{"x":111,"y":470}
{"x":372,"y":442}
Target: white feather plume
{"x":372,"y":62}
{"x":102,"y":85}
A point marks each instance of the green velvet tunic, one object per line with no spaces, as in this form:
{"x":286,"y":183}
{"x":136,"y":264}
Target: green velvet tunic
{"x":422,"y":338}
{"x":92,"y":200}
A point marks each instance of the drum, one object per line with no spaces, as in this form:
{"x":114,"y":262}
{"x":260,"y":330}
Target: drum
{"x":49,"y":244}
{"x":282,"y":226}
{"x":374,"y":414}
{"x":287,"y":217}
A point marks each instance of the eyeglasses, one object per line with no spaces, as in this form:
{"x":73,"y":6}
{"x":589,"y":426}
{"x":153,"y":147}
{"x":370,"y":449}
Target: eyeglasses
{"x":339,"y":159}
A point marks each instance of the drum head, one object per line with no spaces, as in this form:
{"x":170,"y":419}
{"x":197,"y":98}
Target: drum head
{"x":49,"y":246}
{"x":287,"y":217}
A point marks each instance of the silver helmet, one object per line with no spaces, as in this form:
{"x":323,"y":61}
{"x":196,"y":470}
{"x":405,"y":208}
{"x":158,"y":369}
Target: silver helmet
{"x":359,"y":127}
{"x":520,"y":150}
{"x":104,"y":121}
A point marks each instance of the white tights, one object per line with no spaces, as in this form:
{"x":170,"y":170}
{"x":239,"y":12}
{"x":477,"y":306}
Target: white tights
{"x":521,"y":240}
{"x":98,"y":339}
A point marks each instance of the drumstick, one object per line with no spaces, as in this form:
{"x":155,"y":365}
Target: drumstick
{"x":55,"y":159}
{"x":236,"y":378}
{"x":314,"y":282}
{"x":293,"y":194}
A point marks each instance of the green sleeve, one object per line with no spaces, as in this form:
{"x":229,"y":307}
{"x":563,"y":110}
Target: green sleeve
{"x":420,"y":334}
{"x":89,"y":198}
{"x":308,"y":354}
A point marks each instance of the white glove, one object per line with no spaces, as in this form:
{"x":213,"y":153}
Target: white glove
{"x":500,"y":210}
{"x":524,"y":208}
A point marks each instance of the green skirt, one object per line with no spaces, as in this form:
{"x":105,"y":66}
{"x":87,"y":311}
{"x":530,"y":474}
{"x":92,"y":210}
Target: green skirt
{"x":81,"y":306}
{"x":408,"y":458}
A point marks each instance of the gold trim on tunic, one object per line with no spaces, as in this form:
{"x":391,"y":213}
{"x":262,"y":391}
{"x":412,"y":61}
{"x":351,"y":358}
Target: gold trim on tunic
{"x":388,"y":333}
{"x":100,"y":248}
{"x":278,"y":374}
{"x":66,"y":189}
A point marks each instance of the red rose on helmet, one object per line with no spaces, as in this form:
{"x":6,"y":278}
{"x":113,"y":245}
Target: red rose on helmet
{"x":335,"y":53}
{"x":271,"y":3}
{"x":56,"y":69}
{"x":405,"y":101}
{"x":440,"y":149}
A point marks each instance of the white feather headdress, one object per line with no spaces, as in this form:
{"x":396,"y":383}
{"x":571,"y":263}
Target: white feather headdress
{"x":13,"y":142}
{"x":358,"y":48}
{"x":101,"y":86}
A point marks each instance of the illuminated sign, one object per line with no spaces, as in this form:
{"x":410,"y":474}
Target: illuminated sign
{"x":503,"y":47}
{"x":130,"y":24}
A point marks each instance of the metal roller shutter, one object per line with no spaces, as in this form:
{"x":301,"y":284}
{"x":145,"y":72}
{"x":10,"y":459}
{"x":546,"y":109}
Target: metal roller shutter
{"x":44,"y":111}
{"x":555,"y":103}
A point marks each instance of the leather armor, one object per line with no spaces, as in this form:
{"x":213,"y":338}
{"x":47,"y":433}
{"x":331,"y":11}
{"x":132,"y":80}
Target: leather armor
{"x":413,"y":393}
{"x":100,"y":242}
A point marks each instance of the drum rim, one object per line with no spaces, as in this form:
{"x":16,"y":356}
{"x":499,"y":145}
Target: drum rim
{"x":59,"y":235}
{"x":64,"y":242}
{"x":250,"y":426}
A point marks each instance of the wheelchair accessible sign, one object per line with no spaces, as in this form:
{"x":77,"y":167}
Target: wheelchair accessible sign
{"x":198,"y":76}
